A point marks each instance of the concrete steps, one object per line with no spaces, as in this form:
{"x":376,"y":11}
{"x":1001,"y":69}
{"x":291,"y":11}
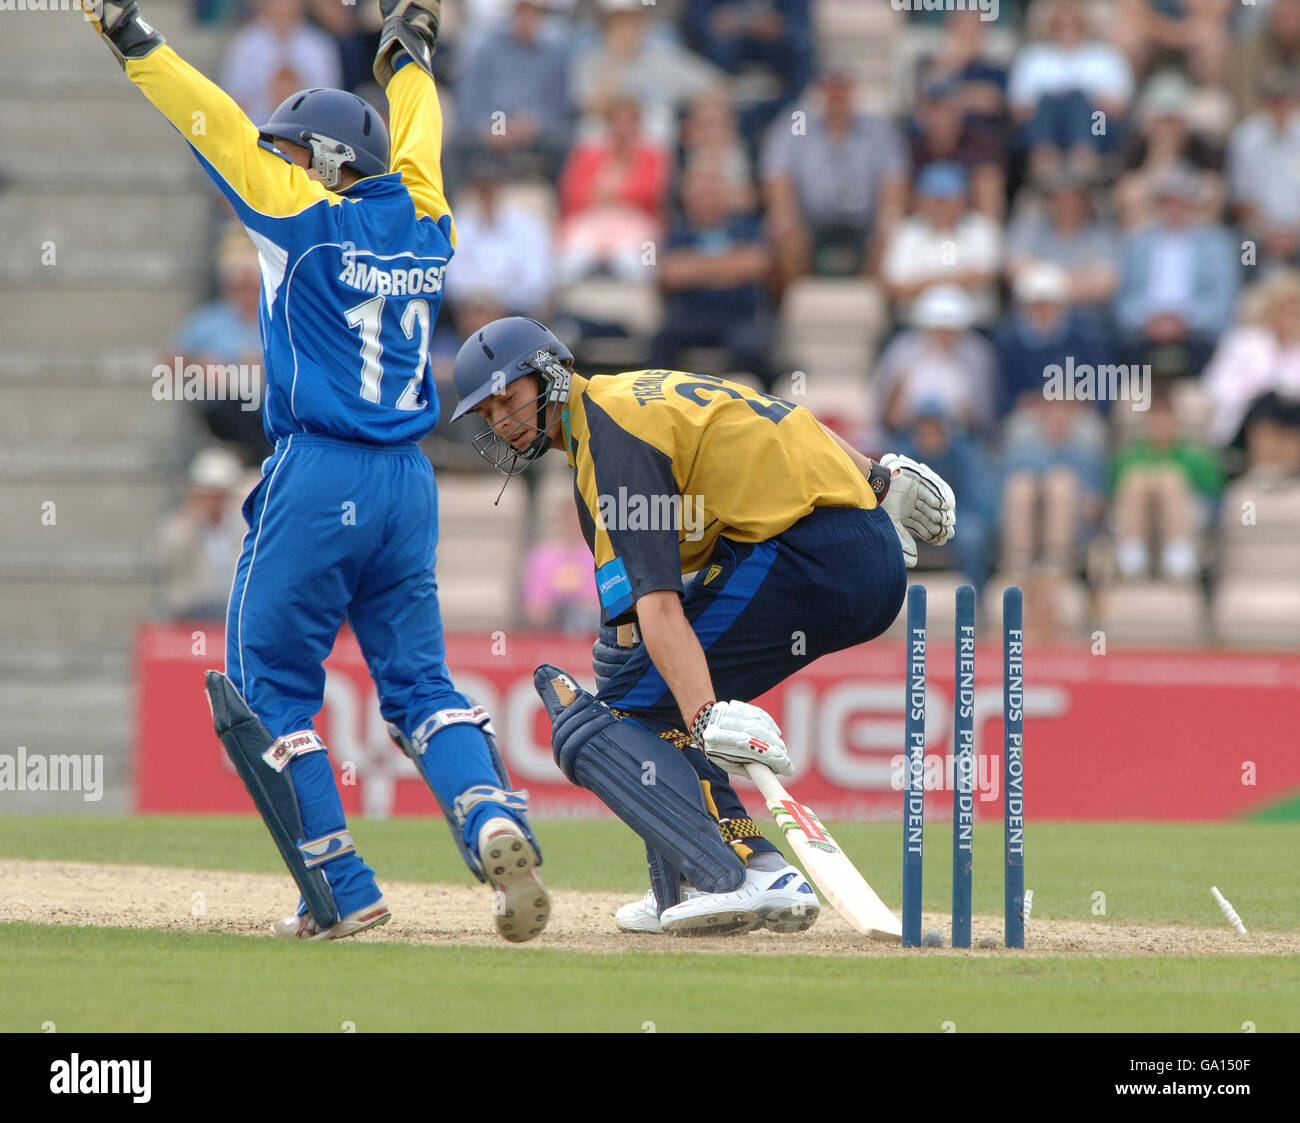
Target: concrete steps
{"x":50,"y":317}
{"x":74,"y":408}
{"x":57,"y":241}
{"x":48,"y":718}
{"x":90,"y":166}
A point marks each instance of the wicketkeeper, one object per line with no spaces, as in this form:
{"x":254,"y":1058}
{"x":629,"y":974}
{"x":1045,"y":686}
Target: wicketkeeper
{"x":353,"y":247}
{"x":799,"y":546}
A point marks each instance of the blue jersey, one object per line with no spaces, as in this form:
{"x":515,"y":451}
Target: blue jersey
{"x":352,"y":280}
{"x":343,"y":524}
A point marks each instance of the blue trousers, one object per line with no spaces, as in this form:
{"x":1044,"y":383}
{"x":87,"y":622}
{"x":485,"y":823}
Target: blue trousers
{"x":347,"y":530}
{"x":763,"y":611}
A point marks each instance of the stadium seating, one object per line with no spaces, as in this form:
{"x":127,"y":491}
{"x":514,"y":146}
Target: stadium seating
{"x":80,"y":427}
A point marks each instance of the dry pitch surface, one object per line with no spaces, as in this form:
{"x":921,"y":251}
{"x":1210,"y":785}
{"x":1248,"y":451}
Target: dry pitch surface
{"x":193,"y":900}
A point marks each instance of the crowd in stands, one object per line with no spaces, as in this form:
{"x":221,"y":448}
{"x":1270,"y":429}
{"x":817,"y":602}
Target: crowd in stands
{"x":1081,"y":186}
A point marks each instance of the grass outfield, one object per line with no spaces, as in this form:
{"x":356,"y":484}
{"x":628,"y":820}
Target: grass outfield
{"x":85,"y":979}
{"x":116,"y":978}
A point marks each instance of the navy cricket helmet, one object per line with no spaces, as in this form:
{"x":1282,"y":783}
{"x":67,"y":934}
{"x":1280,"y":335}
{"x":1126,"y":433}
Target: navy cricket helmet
{"x":497,"y":355}
{"x":340,"y":129}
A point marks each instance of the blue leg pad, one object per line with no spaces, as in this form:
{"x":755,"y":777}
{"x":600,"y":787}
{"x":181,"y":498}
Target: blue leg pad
{"x":246,"y":740}
{"x":643,"y":779}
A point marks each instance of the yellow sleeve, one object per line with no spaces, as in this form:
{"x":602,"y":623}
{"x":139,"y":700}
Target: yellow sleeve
{"x":259,"y":184}
{"x":415,"y":127}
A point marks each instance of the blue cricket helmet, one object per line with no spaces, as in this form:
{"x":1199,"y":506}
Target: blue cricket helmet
{"x":340,"y":129}
{"x":497,"y":355}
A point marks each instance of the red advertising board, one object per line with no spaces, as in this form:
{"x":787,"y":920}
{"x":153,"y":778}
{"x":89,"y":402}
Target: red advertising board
{"x":1169,"y":735}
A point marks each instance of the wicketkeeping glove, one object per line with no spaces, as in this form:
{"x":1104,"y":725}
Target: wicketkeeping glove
{"x":410,"y":26}
{"x":734,"y":734}
{"x":122,"y":27}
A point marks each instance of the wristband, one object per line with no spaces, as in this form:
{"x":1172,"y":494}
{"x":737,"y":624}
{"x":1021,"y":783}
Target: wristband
{"x":879,"y":478}
{"x":699,"y":721}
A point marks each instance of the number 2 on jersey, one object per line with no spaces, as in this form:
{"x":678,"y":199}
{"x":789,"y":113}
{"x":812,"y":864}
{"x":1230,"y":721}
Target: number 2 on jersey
{"x":368,"y":317}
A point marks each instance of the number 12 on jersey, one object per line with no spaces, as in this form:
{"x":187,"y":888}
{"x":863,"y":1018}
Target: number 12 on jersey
{"x":368,"y":318}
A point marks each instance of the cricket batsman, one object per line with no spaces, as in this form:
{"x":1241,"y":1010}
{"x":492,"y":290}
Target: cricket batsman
{"x":354,"y":242}
{"x":799,"y":546}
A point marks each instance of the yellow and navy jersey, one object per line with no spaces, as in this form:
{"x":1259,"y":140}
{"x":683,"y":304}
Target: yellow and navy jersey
{"x":666,"y":462}
{"x":352,"y":281}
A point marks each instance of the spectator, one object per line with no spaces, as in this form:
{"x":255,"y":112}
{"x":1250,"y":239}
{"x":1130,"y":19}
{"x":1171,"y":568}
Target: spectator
{"x":1055,"y":460}
{"x":938,"y":360}
{"x":937,"y":439}
{"x":1166,"y":143}
{"x":981,"y":82}
{"x":612,"y":199}
{"x":1041,"y":331}
{"x":1058,"y":83}
{"x":1164,"y":489}
{"x":1178,"y":283}
{"x":559,"y":587}
{"x":1190,"y":34}
{"x":224,"y":333}
{"x":944,"y":242}
{"x":217,"y":12}
{"x":1255,"y":373}
{"x":513,"y":95}
{"x":279,"y":38}
{"x":1009,"y":13}
{"x":1274,"y":47}
{"x":1271,"y":435}
{"x":710,"y":138}
{"x":1264,"y":171}
{"x":355,"y":28}
{"x":629,"y":60}
{"x":478,"y":19}
{"x":1066,"y":231}
{"x":714,"y":275}
{"x":940,"y":131}
{"x":766,"y":44}
{"x":832,"y":183}
{"x":503,"y":256}
{"x":200,"y":541}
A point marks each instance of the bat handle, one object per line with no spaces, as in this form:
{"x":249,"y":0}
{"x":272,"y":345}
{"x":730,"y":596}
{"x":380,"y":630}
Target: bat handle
{"x":766,"y":781}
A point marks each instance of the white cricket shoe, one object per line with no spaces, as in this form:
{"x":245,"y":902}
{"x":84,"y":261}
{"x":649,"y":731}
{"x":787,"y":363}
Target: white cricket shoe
{"x":786,"y":901}
{"x":640,"y":916}
{"x":305,"y":928}
{"x":713,"y":914}
{"x":780,"y":900}
{"x":643,"y":915}
{"x":520,"y":903}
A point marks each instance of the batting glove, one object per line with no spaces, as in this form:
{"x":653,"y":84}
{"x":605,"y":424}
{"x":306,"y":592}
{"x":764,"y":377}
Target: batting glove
{"x":733,"y":734}
{"x":607,"y":656}
{"x":919,"y":500}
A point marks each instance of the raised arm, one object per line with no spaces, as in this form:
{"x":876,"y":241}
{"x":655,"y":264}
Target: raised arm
{"x":410,"y":36}
{"x":261,"y":185}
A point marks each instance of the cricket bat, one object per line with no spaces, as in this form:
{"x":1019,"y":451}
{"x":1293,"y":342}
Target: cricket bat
{"x":824,"y":862}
